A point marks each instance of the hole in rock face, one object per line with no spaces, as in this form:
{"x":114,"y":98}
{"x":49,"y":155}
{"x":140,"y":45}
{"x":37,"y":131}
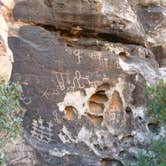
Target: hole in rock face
{"x":123,"y":55}
{"x":95,"y":120}
{"x":111,"y":162}
{"x":140,"y":118}
{"x":154,"y":127}
{"x":128,"y":110}
{"x":96,"y":102}
{"x":116,"y":104}
{"x":127,"y":139}
{"x":70,"y":113}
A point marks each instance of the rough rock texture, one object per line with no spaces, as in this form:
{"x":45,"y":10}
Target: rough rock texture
{"x":20,"y":153}
{"x":152,"y":15}
{"x":83,"y":67}
{"x":80,"y":101}
{"x":96,"y":16}
{"x":6,"y":56}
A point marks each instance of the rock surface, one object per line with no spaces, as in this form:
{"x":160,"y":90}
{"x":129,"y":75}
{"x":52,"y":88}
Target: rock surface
{"x":152,"y":15}
{"x":96,"y":16}
{"x":6,"y":56}
{"x":154,"y":21}
{"x":76,"y":97}
{"x":83,"y":68}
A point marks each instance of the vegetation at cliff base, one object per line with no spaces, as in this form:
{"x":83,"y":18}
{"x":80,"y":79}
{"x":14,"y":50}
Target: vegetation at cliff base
{"x":10,"y":118}
{"x":156,"y":102}
{"x":156,"y":111}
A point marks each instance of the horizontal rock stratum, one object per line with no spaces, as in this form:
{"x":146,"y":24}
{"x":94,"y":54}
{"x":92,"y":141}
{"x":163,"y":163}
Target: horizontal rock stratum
{"x":100,"y":16}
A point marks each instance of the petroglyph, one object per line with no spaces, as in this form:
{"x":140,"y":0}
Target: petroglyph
{"x":57,"y":118}
{"x":77,"y":54}
{"x":60,"y":81}
{"x":41,"y":132}
{"x":79,"y":81}
{"x":100,"y":58}
{"x":46,"y":94}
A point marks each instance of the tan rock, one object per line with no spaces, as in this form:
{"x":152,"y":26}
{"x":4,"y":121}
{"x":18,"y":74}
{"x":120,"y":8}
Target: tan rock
{"x":6,"y":56}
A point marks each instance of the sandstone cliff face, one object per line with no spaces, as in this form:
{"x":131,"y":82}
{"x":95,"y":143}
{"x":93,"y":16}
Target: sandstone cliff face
{"x":6,"y":56}
{"x":83,"y":67}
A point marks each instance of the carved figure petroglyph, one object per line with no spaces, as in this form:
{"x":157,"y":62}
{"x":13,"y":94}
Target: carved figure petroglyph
{"x":78,"y":80}
{"x":60,"y":80}
{"x":77,"y":54}
{"x":41,"y":132}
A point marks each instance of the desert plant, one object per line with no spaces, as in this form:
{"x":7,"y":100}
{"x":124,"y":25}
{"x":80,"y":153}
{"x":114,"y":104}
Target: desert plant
{"x":156,"y":110}
{"x":10,"y":119}
{"x":156,"y":102}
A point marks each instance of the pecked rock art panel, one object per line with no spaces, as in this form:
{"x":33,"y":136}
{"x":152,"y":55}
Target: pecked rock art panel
{"x":82,"y":107}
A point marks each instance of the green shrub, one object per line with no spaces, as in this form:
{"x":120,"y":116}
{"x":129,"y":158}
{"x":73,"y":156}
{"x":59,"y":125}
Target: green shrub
{"x":159,"y":149}
{"x":143,"y":160}
{"x":156,"y":102}
{"x":156,"y":111}
{"x":10,"y":118}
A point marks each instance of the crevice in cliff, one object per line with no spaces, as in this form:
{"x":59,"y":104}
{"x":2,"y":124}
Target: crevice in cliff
{"x":76,"y":33}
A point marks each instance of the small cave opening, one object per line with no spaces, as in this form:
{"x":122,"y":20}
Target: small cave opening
{"x":128,"y":110}
{"x":70,"y":113}
{"x":154,"y":127}
{"x":111,"y":162}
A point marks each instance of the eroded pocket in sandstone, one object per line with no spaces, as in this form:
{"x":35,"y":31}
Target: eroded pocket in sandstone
{"x":154,"y":127}
{"x":111,"y":162}
{"x":70,"y":113}
{"x":96,"y":108}
{"x":97,"y":102}
{"x":96,"y":105}
{"x":128,"y":110}
{"x":127,"y":140}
